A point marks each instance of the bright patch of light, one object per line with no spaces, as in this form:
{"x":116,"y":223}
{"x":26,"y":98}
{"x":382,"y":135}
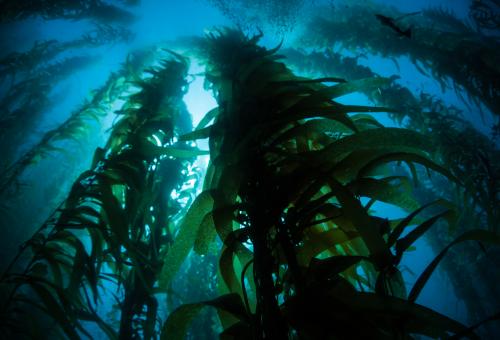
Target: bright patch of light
{"x":385,"y":210}
{"x":157,"y":140}
{"x":198,"y":100}
{"x":117,"y":104}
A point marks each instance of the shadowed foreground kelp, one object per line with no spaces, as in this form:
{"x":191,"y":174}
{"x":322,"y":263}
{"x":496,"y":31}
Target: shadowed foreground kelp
{"x":289,"y":202}
{"x":113,"y":229}
{"x":467,"y":153}
{"x":303,"y":256}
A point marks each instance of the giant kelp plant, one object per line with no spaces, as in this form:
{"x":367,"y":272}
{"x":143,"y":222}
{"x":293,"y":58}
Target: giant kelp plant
{"x":468,"y":154}
{"x":449,"y":50}
{"x":121,"y":207}
{"x":290,"y":232}
{"x":284,"y":197}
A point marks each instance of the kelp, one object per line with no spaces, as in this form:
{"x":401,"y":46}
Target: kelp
{"x":114,"y":227}
{"x":444,"y":19}
{"x":302,"y":255}
{"x":29,"y":80}
{"x":26,"y":100}
{"x":75,"y":127}
{"x":467,"y":153}
{"x":98,"y":10}
{"x":38,"y":57}
{"x":456,"y":55}
{"x":485,"y":14}
{"x":280,"y":15}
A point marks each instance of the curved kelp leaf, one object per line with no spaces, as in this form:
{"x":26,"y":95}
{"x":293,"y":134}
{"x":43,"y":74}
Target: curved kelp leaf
{"x":482,"y":236}
{"x":178,"y":322}
{"x":186,"y":237}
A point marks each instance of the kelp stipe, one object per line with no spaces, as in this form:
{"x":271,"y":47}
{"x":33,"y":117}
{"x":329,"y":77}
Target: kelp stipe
{"x":114,"y":227}
{"x":302,"y":256}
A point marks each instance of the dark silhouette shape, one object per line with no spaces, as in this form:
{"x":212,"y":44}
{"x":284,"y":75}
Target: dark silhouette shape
{"x":390,"y":22}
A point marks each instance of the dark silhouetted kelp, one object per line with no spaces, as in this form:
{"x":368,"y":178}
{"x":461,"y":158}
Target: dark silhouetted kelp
{"x":485,"y":14}
{"x":280,"y":192}
{"x":121,"y":206}
{"x":287,"y":234}
{"x":467,"y":153}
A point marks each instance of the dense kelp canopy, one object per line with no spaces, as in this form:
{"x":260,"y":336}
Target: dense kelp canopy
{"x":322,"y":195}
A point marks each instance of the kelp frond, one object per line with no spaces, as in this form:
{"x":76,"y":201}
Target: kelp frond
{"x":114,"y":226}
{"x":284,"y":197}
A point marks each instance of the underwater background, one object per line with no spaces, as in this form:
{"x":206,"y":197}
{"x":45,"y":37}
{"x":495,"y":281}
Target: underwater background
{"x":262,"y":169}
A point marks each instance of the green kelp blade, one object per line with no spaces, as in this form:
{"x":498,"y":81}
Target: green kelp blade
{"x":209,"y":116}
{"x":185,"y":239}
{"x":405,"y":242}
{"x":409,"y":158}
{"x":197,"y":134}
{"x":329,"y":268}
{"x":313,"y":129}
{"x":411,"y":317}
{"x":177,"y":152}
{"x":379,"y":252}
{"x":392,"y":190}
{"x":472,"y":235}
{"x":206,"y":234}
{"x":207,"y":230}
{"x":339,"y":90}
{"x":178,"y":321}
{"x":395,"y":139}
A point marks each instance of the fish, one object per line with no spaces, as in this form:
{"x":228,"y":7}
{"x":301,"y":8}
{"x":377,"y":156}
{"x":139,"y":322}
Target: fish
{"x":390,"y":22}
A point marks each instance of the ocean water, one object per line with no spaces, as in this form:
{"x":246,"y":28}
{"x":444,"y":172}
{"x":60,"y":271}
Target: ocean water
{"x":35,"y":184}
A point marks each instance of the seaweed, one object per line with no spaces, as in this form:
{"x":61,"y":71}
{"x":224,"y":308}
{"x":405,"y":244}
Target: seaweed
{"x":287,"y":227}
{"x":467,"y":153}
{"x":29,"y":80}
{"x":461,"y":147}
{"x":448,"y":52}
{"x":23,"y":64}
{"x":75,"y":127}
{"x":282,"y":16}
{"x":485,"y":14}
{"x":114,"y":226}
{"x":25,"y":101}
{"x":98,"y":10}
{"x":286,"y":204}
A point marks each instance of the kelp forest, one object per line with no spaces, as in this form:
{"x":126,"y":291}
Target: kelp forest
{"x":244,"y":169}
